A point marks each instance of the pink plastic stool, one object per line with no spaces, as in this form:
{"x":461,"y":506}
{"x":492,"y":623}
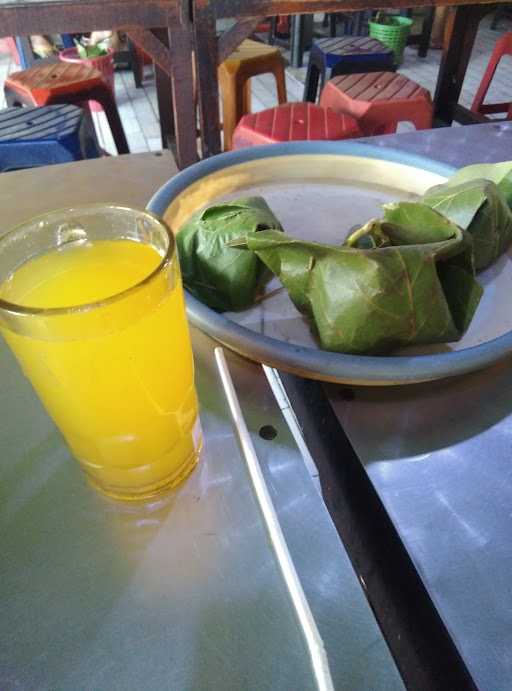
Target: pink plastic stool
{"x":502,"y":47}
{"x":293,"y":122}
{"x":103,"y":63}
{"x":379,"y":101}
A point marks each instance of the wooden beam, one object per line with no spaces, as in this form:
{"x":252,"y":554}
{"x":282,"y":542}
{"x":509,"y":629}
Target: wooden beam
{"x":467,"y":117}
{"x":84,"y":15}
{"x":244,"y":8}
{"x":146,"y":40}
{"x":233,"y":37}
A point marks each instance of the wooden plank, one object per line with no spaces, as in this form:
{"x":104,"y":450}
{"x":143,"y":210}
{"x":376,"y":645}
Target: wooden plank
{"x":459,"y":37}
{"x":244,"y":8}
{"x":79,"y":16}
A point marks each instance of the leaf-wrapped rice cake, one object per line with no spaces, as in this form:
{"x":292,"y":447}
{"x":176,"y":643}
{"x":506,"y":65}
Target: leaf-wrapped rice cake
{"x":224,"y":277}
{"x":477,"y":199}
{"x":414,"y":284}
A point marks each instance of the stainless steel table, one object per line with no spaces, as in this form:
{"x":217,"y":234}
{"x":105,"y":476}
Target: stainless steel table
{"x":184,"y":594}
{"x":440,"y":458}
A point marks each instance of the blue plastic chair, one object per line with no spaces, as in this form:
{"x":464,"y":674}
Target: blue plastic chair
{"x":31,"y":137}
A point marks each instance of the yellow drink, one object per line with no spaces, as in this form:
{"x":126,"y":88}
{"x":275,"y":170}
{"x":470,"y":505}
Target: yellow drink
{"x":116,"y":376}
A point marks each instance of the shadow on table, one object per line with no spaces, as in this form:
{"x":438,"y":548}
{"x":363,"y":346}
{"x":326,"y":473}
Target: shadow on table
{"x":387,"y":423}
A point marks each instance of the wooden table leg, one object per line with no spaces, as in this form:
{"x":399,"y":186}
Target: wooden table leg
{"x":163,"y":83}
{"x":206,"y":60}
{"x":459,"y":37}
{"x":297,"y":40}
{"x":184,"y":107}
{"x":136,"y":63}
{"x":172,"y":52}
{"x":426,"y":32}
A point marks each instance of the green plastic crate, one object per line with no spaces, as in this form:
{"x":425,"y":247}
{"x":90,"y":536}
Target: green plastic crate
{"x":392,"y":34}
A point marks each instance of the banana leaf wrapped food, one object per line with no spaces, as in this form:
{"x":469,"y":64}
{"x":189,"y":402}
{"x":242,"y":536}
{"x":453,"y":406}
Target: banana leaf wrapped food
{"x":386,"y":288}
{"x":407,"y":278}
{"x":224,"y":277}
{"x":478,"y":199}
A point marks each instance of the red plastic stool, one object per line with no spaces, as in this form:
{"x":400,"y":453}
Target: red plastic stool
{"x":62,"y":82}
{"x":293,"y":122}
{"x":503,"y":47}
{"x":379,"y":101}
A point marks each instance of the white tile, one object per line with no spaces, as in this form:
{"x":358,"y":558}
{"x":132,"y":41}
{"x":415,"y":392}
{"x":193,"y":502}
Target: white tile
{"x":149,"y":126}
{"x":154,"y":143}
{"x":137,"y":143}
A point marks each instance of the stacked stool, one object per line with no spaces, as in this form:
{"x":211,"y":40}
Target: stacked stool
{"x":31,"y":137}
{"x":249,"y":60}
{"x":345,"y":55}
{"x":379,"y":101}
{"x":503,"y":47}
{"x":293,"y":122}
{"x":65,"y":83}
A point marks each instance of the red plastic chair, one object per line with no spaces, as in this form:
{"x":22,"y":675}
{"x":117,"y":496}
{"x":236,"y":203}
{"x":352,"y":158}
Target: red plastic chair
{"x":293,"y":122}
{"x":379,"y":101}
{"x":64,"y":82}
{"x":503,"y":47}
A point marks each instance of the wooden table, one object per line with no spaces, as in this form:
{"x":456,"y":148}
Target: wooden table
{"x":178,"y":32}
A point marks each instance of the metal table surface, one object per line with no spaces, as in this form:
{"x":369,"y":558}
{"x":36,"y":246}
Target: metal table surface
{"x":184,"y":594}
{"x":440,"y":457}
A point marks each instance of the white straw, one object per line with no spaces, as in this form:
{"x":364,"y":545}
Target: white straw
{"x":311,"y":634}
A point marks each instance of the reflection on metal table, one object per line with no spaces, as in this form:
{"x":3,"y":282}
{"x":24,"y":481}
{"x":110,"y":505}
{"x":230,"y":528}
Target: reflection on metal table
{"x":184,"y":594}
{"x":439,"y":456}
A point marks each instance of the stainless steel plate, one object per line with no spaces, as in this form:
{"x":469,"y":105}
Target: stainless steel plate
{"x":319,"y":191}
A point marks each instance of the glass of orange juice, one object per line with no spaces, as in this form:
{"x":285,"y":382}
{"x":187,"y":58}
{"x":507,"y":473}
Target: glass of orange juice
{"x":91,"y":304}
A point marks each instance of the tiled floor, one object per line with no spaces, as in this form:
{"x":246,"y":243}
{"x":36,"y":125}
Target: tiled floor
{"x":139,"y":112}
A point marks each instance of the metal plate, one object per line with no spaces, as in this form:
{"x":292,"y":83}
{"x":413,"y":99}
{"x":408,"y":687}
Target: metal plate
{"x":319,"y":191}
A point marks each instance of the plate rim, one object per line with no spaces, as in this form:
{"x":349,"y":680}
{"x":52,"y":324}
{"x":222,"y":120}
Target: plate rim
{"x":370,"y":370}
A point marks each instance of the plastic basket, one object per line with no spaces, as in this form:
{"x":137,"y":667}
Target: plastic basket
{"x":103,"y":63}
{"x":393,"y":34}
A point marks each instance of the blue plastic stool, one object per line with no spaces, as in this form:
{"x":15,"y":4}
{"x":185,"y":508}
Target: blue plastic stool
{"x":31,"y":137}
{"x":345,"y":55}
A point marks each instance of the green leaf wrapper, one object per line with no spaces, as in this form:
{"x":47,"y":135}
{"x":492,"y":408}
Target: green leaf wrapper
{"x":224,"y":277}
{"x":375,"y":300}
{"x":478,"y":206}
{"x":499,"y":173}
{"x":405,"y":279}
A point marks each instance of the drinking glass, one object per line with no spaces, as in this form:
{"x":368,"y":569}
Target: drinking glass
{"x":115,"y":373}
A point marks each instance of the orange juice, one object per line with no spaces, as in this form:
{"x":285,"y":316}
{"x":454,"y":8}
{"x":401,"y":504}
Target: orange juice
{"x":116,"y":376}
